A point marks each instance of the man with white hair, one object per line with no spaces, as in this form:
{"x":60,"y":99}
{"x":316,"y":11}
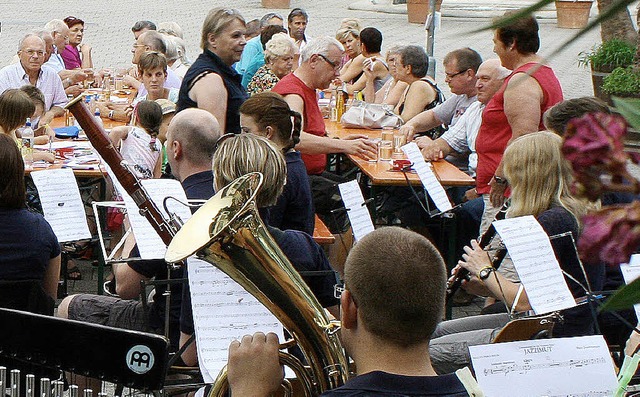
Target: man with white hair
{"x":321,"y":60}
{"x":70,"y":78}
{"x":32,"y":54}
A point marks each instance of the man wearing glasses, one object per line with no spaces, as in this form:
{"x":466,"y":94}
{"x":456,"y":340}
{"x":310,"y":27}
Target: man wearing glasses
{"x":460,"y":68}
{"x":32,"y":52}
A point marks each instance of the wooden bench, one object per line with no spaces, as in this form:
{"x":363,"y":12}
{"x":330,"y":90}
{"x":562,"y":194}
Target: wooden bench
{"x":321,"y":233}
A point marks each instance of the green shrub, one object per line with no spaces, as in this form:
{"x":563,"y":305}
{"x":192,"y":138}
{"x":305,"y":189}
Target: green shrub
{"x":623,"y":82}
{"x":609,"y":55}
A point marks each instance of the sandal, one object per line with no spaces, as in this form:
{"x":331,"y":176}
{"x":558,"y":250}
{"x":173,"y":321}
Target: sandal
{"x":73,"y":273}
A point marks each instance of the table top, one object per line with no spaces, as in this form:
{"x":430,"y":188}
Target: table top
{"x":380,"y":172}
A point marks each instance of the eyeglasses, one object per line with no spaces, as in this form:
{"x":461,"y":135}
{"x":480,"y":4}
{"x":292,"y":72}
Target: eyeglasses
{"x":452,"y":75}
{"x":334,"y":65}
{"x":33,"y":53}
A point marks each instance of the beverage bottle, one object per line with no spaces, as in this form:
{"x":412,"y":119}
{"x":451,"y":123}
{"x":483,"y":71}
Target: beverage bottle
{"x":96,"y":116}
{"x":333,"y":109}
{"x":106,"y":88}
{"x":27,"y":144}
{"x":341,"y":101}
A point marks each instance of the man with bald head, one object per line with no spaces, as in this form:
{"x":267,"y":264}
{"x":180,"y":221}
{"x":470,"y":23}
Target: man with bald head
{"x":191,"y":139}
{"x":32,"y":54}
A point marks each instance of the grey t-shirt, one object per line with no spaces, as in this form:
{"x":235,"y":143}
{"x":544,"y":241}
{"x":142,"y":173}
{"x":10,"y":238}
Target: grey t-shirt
{"x":450,"y":110}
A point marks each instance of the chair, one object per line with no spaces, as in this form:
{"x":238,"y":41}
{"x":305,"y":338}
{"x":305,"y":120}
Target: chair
{"x":537,"y":327}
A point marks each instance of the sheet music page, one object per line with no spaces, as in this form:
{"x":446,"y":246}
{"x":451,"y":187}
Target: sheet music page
{"x":536,"y":263}
{"x":222,"y":312}
{"x":574,"y":367}
{"x":630,"y":272}
{"x":357,"y":212}
{"x":428,"y":178}
{"x":62,"y":204}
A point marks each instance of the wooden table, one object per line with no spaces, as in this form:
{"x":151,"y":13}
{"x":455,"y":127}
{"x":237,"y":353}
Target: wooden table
{"x":380,"y":172}
{"x":321,"y":233}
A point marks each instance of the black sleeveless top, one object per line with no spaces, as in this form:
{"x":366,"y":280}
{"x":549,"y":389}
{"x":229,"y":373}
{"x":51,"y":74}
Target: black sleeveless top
{"x":208,"y":62}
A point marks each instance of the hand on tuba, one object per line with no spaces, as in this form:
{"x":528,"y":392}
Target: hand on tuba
{"x":254,"y":367}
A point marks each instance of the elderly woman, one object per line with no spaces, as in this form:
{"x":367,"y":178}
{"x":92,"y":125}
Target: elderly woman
{"x":412,"y":65}
{"x":515,"y":110}
{"x":176,"y":55}
{"x":211,"y":83}
{"x":392,"y":90}
{"x":239,"y":155}
{"x":76,"y":55}
{"x":278,"y":57}
{"x":540,"y":180}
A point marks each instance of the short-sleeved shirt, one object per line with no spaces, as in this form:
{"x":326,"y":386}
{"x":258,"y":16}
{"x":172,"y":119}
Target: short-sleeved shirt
{"x":55,"y":61}
{"x":263,"y":80}
{"x":294,"y":209}
{"x":27,"y":244}
{"x":173,"y":81}
{"x":71,"y":57}
{"x":14,"y":76}
{"x":312,"y":117}
{"x":378,"y":383}
{"x":450,"y":111}
{"x":199,"y":186}
{"x":462,"y":136}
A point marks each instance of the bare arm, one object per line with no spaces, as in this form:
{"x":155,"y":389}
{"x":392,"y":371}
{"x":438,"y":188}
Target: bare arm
{"x":352,"y":69}
{"x":423,"y":121}
{"x":87,"y":62}
{"x":395,"y":94}
{"x":157,"y":170}
{"x":118,"y":134}
{"x":54,"y":112}
{"x":51,"y":277}
{"x":435,"y":149}
{"x":418,"y":96}
{"x":313,"y":144}
{"x":190,"y":354}
{"x":211,"y":95}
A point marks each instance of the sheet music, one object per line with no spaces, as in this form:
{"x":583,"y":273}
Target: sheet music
{"x":427,"y":177}
{"x":358,"y":213}
{"x":630,"y":272}
{"x":62,"y":204}
{"x":149,"y":242}
{"x":536,"y":264}
{"x":222,"y":312}
{"x":578,"y":366}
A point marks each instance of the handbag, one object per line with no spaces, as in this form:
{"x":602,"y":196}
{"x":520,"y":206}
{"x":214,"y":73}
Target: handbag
{"x":370,"y":115}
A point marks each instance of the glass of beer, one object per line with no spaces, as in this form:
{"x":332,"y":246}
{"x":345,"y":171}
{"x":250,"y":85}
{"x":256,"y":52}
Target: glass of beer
{"x":385,"y":150}
{"x":399,"y":140}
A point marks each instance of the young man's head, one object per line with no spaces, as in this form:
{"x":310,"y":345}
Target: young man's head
{"x":395,"y":278}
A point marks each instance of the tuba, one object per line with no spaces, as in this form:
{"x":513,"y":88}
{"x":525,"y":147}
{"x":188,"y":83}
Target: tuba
{"x":228,"y":233}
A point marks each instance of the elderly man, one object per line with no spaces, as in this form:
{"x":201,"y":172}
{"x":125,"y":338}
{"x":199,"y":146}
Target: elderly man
{"x":191,"y":137}
{"x":70,"y":78}
{"x":142,"y":26}
{"x":32,"y":54}
{"x":150,"y":41}
{"x":254,"y":47}
{"x":460,"y":68}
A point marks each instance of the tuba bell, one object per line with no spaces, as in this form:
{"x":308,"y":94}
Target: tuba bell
{"x":228,"y":232}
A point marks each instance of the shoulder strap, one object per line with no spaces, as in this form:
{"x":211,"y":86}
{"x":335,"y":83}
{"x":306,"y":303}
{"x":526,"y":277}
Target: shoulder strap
{"x":469,"y":382}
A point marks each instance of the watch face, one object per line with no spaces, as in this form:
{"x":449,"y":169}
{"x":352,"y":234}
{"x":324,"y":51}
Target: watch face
{"x":484,"y":274}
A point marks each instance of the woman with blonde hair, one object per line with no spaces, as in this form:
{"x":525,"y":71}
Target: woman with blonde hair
{"x":540,"y":180}
{"x":278,"y":57}
{"x":353,"y":63}
{"x":211,"y":83}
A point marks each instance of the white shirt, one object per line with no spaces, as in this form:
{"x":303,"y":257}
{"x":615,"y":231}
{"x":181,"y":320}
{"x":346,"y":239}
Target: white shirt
{"x":14,"y":76}
{"x":55,"y":62}
{"x":462,"y":136}
{"x":179,"y":68}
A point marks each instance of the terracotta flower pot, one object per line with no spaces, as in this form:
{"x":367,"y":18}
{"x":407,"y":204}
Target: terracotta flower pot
{"x":276,"y":3}
{"x":417,"y":11}
{"x":573,"y":14}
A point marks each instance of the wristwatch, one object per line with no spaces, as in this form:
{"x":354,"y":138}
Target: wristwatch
{"x":485,"y":272}
{"x":499,"y":180}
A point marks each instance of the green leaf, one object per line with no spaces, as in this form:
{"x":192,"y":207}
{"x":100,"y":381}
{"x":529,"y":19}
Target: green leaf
{"x":629,"y":108}
{"x":624,"y":298}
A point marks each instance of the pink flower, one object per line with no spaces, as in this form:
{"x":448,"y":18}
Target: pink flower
{"x":611,"y":235}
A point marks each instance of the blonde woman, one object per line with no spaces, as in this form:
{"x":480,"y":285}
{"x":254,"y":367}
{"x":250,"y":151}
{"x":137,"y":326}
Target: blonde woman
{"x":278,"y":58}
{"x":211,"y":83}
{"x":353,"y":63}
{"x":540,"y":179}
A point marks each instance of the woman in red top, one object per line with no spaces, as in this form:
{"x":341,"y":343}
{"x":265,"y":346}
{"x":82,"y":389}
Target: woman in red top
{"x":516,"y":109}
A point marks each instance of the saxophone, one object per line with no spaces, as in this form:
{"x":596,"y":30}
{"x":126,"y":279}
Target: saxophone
{"x":228,"y":233}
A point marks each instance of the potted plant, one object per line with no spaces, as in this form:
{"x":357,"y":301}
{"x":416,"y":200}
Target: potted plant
{"x":623,"y":82}
{"x":282,"y":4}
{"x":603,"y":59}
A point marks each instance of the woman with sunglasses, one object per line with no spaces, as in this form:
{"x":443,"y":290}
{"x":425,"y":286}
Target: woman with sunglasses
{"x":76,"y":55}
{"x":211,"y":83}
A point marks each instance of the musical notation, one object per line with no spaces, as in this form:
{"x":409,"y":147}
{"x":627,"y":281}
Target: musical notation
{"x":427,"y":177}
{"x":506,"y":368}
{"x":357,"y":211}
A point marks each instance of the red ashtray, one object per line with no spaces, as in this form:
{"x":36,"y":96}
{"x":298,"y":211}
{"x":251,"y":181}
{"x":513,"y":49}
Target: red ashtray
{"x":399,"y":165}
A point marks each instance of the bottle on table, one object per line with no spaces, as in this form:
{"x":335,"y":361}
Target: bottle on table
{"x":341,"y":101}
{"x":96,"y":116}
{"x":333,"y":110}
{"x":27,"y":137}
{"x":106,"y":87}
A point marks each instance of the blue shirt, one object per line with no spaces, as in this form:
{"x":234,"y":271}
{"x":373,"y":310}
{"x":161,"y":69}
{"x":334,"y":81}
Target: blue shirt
{"x":251,"y":49}
{"x":378,"y":383}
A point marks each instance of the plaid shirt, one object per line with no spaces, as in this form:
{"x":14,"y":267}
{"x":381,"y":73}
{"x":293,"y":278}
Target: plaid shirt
{"x":14,"y":76}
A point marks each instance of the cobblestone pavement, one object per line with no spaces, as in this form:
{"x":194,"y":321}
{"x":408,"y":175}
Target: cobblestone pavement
{"x":108,"y":26}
